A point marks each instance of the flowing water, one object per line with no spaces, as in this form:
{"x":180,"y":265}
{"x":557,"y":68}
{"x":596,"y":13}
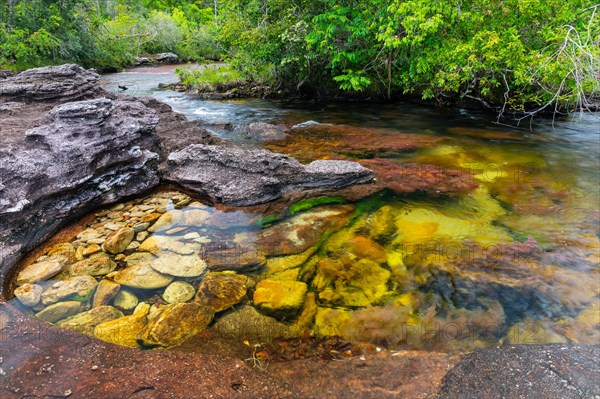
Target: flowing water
{"x":483,"y":235}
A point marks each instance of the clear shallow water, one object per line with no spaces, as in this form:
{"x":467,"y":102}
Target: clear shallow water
{"x":486,"y":234}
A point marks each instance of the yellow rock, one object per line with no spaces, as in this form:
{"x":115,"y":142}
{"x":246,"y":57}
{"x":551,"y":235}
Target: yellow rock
{"x":124,"y":330}
{"x":280,"y":297}
{"x":172,"y":325}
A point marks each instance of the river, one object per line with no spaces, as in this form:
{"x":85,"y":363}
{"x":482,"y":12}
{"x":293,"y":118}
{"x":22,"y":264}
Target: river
{"x":487,"y":234}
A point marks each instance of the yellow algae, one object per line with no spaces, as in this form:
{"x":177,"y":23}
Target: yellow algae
{"x":420,"y":224}
{"x":331,"y":322}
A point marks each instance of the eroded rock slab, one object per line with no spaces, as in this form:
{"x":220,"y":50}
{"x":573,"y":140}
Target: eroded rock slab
{"x":240,"y":176}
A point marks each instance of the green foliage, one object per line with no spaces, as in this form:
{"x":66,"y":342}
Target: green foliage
{"x":209,"y":77}
{"x":105,"y":35}
{"x":523,"y":55}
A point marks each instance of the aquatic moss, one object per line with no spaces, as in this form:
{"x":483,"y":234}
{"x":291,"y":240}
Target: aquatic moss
{"x":310,"y":203}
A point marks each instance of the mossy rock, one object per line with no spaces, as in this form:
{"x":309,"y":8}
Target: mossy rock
{"x":124,"y":330}
{"x":280,"y":298}
{"x":172,"y":325}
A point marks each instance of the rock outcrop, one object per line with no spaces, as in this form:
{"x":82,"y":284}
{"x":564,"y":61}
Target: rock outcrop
{"x":62,"y":83}
{"x":81,"y":155}
{"x":240,"y":176}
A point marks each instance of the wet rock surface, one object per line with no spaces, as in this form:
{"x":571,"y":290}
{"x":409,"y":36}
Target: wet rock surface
{"x":53,"y":362}
{"x":526,"y":371}
{"x":239,"y":176}
{"x":82,"y":154}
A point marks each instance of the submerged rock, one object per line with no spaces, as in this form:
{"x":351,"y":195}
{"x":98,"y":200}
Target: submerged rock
{"x":178,"y":292}
{"x":96,"y":265}
{"x":172,"y":325}
{"x":242,"y":258}
{"x":142,"y":275}
{"x":222,"y":290}
{"x":105,"y":292}
{"x":178,"y":265}
{"x":119,"y":240}
{"x":80,"y":287}
{"x":124,"y":330}
{"x":29,"y":294}
{"x":60,"y":310}
{"x":239,"y":176}
{"x":248,"y":323}
{"x":350,"y":282}
{"x":86,"y":322}
{"x":125,"y":300}
{"x":282,"y":298}
{"x":304,"y":230}
{"x":158,"y":244}
{"x":40,"y":271}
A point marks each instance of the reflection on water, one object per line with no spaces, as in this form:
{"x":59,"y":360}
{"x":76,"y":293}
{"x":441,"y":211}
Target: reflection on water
{"x":484,"y":235}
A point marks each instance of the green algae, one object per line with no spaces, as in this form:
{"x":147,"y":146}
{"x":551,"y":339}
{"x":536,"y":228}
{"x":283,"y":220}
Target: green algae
{"x":307,"y":204}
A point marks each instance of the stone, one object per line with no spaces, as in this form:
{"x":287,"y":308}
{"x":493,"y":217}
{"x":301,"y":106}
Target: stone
{"x":178,"y":265}
{"x":160,"y":244}
{"x":283,"y":298}
{"x":124,"y":330}
{"x":119,"y":240}
{"x":80,"y":287}
{"x":331,"y":322}
{"x":166,"y":58}
{"x":29,"y":294}
{"x":138,"y":257}
{"x":174,"y":324}
{"x":96,"y":265}
{"x":303,"y":230}
{"x":114,"y":225}
{"x":242,"y":258}
{"x":350,"y":282}
{"x":76,"y":156}
{"x":246,"y":322}
{"x":194,"y":217}
{"x":60,"y":310}
{"x":179,"y":292}
{"x":79,"y":253}
{"x":151,"y":217}
{"x":280,"y":264}
{"x":141,"y":275}
{"x":86,"y":322}
{"x":105,"y":292}
{"x":133,"y":245}
{"x":432,"y":180}
{"x":88,"y":234}
{"x":222,"y":290}
{"x":362,"y":247}
{"x":141,"y":236}
{"x":166,"y":221}
{"x":92,"y":249}
{"x":125,"y":300}
{"x":40,"y":271}
{"x":176,"y":231}
{"x":67,"y":82}
{"x":240,"y":176}
{"x":140,"y":227}
{"x":261,"y":131}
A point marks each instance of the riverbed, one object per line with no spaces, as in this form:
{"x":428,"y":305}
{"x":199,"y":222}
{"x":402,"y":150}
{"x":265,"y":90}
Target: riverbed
{"x":485,"y":234}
